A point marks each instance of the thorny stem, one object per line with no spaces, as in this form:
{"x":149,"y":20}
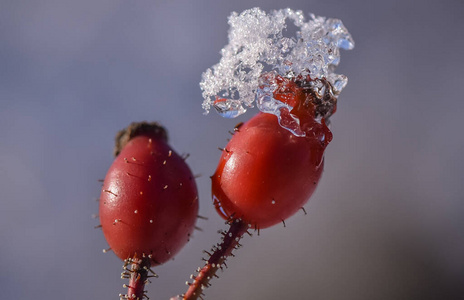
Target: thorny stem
{"x":230,"y":241}
{"x":138,"y":271}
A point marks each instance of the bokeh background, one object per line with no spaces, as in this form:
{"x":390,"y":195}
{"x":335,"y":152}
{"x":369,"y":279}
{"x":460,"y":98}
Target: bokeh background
{"x":385,"y":223}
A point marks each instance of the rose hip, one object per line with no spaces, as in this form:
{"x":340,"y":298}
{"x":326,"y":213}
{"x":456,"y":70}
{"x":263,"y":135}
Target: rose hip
{"x":149,"y":200}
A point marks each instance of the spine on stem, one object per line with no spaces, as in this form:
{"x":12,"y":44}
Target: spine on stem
{"x":137,"y":270}
{"x":217,"y":258}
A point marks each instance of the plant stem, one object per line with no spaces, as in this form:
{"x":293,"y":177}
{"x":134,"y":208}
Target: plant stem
{"x":230,"y":241}
{"x":137,"y":270}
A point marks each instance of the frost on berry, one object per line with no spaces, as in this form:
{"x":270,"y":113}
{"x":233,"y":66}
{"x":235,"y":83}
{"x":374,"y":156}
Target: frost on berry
{"x":259,"y":50}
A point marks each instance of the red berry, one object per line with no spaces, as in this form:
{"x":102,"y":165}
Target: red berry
{"x":149,"y":200}
{"x":266,"y":173}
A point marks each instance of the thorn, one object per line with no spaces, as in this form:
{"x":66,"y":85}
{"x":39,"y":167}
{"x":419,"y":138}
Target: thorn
{"x":284,"y":223}
{"x":198,"y":228}
{"x":108,"y":191}
{"x":126,"y":263}
{"x":197,"y":176}
{"x":151,"y":271}
{"x":231,"y":219}
{"x":223,"y":149}
{"x":98,"y":226}
{"x":101,"y":180}
{"x":185,"y":156}
{"x":237,"y":127}
{"x":201,"y":217}
{"x":304,"y":210}
{"x":106,"y":250}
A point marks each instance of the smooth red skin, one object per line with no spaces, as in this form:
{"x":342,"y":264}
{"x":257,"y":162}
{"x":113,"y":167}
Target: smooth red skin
{"x":169,"y":198}
{"x":265,"y":162}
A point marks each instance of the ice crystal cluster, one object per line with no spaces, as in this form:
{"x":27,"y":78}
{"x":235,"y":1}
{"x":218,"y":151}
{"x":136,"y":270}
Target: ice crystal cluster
{"x":258,"y":45}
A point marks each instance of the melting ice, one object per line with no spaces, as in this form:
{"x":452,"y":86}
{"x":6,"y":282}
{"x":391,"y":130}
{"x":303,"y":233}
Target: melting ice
{"x":257,"y":45}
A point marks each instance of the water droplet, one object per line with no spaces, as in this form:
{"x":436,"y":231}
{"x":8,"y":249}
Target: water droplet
{"x":229,"y":108}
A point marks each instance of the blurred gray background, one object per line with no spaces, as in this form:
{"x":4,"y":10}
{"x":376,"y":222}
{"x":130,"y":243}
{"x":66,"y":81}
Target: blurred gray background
{"x":385,"y":223}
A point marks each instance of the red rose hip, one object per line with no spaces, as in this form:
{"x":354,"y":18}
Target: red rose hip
{"x":266,"y":173}
{"x":149,"y":200}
